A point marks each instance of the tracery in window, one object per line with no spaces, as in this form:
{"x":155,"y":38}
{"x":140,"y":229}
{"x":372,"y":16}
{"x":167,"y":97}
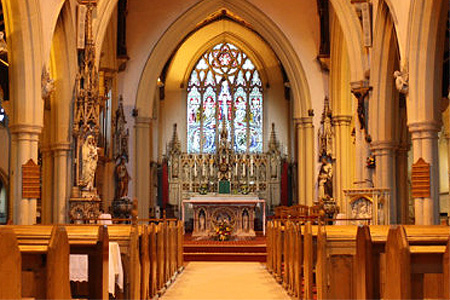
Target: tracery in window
{"x":224,"y":88}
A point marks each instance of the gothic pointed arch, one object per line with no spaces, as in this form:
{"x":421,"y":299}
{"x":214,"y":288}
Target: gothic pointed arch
{"x":186,"y":24}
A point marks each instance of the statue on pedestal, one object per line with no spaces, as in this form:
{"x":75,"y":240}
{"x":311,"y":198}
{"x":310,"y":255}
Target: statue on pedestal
{"x":325,"y":179}
{"x":89,"y":156}
{"x":122,"y":179}
{"x":84,"y":202}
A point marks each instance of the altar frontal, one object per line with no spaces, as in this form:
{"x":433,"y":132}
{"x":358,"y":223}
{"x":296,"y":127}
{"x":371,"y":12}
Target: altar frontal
{"x":224,"y":218}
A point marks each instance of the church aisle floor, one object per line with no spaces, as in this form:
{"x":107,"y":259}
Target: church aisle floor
{"x":225,"y":280}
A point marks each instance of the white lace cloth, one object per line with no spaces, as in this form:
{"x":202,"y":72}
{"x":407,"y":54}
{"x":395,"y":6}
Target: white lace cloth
{"x":79,"y":268}
{"x":105,"y":219}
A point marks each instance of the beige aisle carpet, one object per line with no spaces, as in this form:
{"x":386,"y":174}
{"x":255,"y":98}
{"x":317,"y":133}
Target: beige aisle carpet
{"x":225,"y":280}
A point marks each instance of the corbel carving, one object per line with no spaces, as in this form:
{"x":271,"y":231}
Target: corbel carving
{"x":402,"y":81}
{"x":47,"y":87}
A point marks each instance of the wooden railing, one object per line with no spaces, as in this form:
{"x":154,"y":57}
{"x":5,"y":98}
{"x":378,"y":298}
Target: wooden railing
{"x":359,"y":262}
{"x":152,"y":256}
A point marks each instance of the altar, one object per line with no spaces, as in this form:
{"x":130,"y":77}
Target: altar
{"x":237,"y":212}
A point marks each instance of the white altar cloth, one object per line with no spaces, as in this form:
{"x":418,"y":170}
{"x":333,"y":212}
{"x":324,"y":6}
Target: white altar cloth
{"x":79,"y":268}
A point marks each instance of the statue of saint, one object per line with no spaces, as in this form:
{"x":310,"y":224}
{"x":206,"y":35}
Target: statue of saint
{"x":122,"y":178}
{"x":89,"y":157}
{"x":245,"y":221}
{"x":325,"y":179}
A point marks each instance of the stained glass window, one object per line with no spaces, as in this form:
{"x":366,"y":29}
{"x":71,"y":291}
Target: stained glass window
{"x":224,"y":89}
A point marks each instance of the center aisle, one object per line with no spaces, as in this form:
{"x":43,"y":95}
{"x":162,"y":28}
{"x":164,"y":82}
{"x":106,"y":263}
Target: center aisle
{"x":225,"y":280}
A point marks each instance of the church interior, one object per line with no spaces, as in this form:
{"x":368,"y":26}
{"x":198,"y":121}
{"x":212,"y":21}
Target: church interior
{"x":146,"y":145}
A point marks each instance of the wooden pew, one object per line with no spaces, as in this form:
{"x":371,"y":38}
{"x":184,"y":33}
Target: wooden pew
{"x":413,"y":271}
{"x":127,"y":236}
{"x":44,"y":264}
{"x":90,"y":240}
{"x":422,"y":246}
{"x":93,"y":241}
{"x":10,"y":265}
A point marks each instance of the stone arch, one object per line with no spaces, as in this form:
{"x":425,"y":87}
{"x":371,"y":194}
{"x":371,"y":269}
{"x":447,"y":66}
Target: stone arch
{"x":388,"y":115}
{"x":24,"y":37}
{"x":186,"y":23}
{"x":105,"y":11}
{"x":425,"y":55}
{"x":353,"y":35}
{"x":55,"y":145}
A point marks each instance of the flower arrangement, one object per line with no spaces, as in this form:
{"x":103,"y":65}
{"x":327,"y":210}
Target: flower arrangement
{"x":223,"y":231}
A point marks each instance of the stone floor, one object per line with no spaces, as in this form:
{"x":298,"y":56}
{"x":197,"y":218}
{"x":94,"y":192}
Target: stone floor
{"x":225,"y":280}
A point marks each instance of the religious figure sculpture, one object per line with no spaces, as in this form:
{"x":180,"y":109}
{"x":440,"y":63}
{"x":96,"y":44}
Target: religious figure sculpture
{"x":245,"y":224}
{"x":326,"y":179}
{"x":122,"y":179}
{"x":89,"y":158}
{"x":47,"y":85}
{"x":401,"y":82}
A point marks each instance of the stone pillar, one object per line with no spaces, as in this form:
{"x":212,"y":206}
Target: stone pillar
{"x":142,"y":159}
{"x":47,"y":186}
{"x":301,"y":183}
{"x":62,"y":182}
{"x":361,"y":89}
{"x":24,"y":146}
{"x":305,"y":159}
{"x":362,"y":173}
{"x":424,"y":137}
{"x":343,"y":164}
{"x":403,"y":198}
{"x":385,"y":174}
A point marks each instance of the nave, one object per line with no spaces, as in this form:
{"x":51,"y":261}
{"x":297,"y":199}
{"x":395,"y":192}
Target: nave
{"x":225,"y":280}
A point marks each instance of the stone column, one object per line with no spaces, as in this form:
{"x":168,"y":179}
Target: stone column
{"x":24,"y":146}
{"x":424,"y":137}
{"x":301,"y":183}
{"x":62,"y":182}
{"x":343,"y":171}
{"x":47,"y":186}
{"x":385,"y":174}
{"x":305,"y":159}
{"x":402,"y":185}
{"x":141,"y":160}
{"x":361,"y":89}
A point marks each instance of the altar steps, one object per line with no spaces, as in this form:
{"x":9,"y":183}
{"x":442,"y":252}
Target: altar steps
{"x":254,"y":251}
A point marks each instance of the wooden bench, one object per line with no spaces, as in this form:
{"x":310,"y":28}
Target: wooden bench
{"x":43,"y":265}
{"x":407,"y":261}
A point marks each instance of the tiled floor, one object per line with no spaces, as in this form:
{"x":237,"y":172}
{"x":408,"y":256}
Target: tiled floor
{"x":225,"y":280}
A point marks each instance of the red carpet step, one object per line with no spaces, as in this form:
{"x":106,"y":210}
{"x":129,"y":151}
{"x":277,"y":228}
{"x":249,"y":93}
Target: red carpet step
{"x":251,"y":250}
